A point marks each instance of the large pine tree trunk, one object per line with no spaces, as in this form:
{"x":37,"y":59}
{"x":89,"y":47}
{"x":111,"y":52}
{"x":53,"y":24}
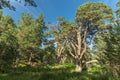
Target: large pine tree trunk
{"x":78,"y":67}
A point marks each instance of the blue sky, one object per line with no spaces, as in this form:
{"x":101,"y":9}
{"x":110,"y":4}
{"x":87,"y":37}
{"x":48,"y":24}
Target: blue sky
{"x":53,"y":8}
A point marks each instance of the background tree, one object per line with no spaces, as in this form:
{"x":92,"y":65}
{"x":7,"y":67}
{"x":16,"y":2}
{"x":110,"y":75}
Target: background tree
{"x":107,"y":45}
{"x":99,"y":45}
{"x":118,"y":10}
{"x":8,"y":41}
{"x":55,"y":31}
{"x":49,"y":55}
{"x":30,"y":36}
{"x":107,"y":49}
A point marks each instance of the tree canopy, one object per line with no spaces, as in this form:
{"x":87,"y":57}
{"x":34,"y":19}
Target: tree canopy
{"x":91,"y":18}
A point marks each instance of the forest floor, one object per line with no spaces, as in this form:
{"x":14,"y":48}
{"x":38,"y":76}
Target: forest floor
{"x":51,"y":72}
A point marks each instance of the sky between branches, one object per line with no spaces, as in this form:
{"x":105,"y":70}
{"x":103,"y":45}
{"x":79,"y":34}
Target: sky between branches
{"x":53,"y":8}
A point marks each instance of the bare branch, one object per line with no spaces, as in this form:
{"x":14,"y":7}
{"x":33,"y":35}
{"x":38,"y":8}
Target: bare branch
{"x":74,"y":47}
{"x":85,"y":44}
{"x":92,"y":61}
{"x":70,"y":52}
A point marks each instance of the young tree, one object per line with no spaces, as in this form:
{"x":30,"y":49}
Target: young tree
{"x":8,"y":41}
{"x":57,"y":33}
{"x":30,"y":36}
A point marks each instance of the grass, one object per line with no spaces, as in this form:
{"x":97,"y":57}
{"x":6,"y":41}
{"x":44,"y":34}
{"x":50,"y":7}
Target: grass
{"x":52,"y":72}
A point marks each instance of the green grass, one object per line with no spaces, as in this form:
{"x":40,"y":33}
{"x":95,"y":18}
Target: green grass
{"x":52,"y":72}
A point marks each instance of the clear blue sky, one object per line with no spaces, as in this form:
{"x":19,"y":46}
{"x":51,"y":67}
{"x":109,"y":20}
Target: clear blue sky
{"x":53,"y":8}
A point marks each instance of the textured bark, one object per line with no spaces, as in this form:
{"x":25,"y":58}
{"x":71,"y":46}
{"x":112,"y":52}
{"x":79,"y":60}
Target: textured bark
{"x":78,"y":67}
{"x":30,"y":58}
{"x":92,"y":61}
{"x":79,"y":47}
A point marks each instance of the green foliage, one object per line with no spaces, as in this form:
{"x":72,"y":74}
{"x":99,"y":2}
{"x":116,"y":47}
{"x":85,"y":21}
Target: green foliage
{"x":48,"y":55}
{"x":100,"y":44}
{"x":30,"y":36}
{"x":20,"y":43}
{"x":8,"y":41}
{"x":118,"y":9}
{"x":90,"y":18}
{"x":60,"y":30}
{"x":94,"y":15}
{"x":107,"y":45}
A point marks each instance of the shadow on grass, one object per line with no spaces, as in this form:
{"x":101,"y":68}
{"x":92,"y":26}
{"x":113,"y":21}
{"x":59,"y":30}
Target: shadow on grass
{"x":65,"y":75}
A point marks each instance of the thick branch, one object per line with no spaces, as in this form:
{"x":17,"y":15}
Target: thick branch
{"x":79,"y":42}
{"x":84,"y":43}
{"x":70,"y":52}
{"x":84,"y":50}
{"x":61,"y":48}
{"x":73,"y":42}
{"x":74,"y":47}
{"x":92,"y":61}
{"x":59,"y":51}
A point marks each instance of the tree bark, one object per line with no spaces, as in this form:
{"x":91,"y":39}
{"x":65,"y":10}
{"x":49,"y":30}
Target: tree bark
{"x":78,"y":67}
{"x":30,"y":58}
{"x":59,"y":52}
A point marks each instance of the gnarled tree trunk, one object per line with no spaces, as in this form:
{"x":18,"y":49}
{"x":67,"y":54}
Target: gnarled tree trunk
{"x":79,"y":48}
{"x":79,"y":67}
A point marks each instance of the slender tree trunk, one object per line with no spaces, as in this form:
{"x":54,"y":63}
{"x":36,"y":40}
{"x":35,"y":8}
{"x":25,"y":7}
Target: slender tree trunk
{"x":59,"y":52}
{"x":30,"y":58}
{"x":29,"y":61}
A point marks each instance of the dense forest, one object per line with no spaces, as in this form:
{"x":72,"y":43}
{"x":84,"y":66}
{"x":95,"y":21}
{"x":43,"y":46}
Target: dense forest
{"x":86,"y":49}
